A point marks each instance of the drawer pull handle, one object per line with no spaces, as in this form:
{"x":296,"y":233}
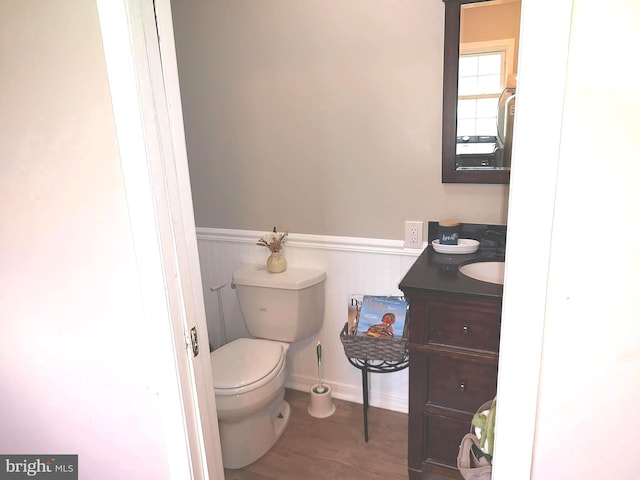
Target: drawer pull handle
{"x":465,"y":329}
{"x":462,"y":386}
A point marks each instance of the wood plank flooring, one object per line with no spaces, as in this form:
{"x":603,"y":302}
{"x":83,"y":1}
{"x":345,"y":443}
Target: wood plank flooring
{"x":333,"y":448}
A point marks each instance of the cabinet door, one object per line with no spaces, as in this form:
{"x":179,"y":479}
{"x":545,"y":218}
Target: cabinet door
{"x":443,"y":439}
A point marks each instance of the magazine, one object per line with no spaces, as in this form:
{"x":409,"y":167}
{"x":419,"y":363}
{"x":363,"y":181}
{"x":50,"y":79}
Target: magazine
{"x":355,"y":303}
{"x":381,"y":317}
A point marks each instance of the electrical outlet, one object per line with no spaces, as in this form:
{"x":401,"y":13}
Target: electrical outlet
{"x":413,"y":234}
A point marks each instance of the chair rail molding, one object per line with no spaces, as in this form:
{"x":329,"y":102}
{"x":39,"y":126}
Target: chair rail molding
{"x":319,"y":242}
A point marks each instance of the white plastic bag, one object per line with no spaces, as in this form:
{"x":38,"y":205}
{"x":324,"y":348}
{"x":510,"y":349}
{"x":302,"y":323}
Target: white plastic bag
{"x":471,"y":466}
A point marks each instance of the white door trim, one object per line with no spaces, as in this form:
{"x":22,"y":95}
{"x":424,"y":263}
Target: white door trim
{"x":146,"y":104}
{"x":180,"y":186}
{"x":543,"y":57}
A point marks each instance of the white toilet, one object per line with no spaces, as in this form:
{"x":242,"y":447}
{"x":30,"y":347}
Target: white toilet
{"x":249,"y":373}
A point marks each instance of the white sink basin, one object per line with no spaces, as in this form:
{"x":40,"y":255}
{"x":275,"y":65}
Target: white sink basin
{"x":492,"y":272}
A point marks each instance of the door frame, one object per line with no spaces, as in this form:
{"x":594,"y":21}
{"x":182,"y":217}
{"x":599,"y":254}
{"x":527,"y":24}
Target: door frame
{"x":544,"y":48}
{"x":132,"y":64}
{"x":143,"y":78}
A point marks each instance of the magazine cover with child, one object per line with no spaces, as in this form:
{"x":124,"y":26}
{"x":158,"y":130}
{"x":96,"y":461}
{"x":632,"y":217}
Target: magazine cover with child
{"x":382,"y":317}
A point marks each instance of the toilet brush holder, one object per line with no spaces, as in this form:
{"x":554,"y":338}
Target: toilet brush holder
{"x":321,"y":404}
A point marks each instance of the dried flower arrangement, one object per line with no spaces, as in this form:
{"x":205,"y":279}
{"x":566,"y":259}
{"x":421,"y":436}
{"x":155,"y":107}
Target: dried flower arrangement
{"x":273,"y":241}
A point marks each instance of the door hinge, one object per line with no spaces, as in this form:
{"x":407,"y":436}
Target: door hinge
{"x":193,"y":341}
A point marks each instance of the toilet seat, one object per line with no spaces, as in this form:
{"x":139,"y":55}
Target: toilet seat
{"x":245,"y":365}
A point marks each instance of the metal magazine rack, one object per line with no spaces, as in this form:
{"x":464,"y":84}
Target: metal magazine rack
{"x":374,"y":355}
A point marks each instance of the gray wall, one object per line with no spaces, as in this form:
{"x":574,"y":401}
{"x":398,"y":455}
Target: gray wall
{"x":319,"y":117}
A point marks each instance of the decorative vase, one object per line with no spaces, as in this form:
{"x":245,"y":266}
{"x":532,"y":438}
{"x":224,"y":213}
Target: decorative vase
{"x":276,"y":263}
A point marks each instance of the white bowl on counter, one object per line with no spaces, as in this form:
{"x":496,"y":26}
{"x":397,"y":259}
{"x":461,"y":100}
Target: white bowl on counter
{"x":464,"y":246}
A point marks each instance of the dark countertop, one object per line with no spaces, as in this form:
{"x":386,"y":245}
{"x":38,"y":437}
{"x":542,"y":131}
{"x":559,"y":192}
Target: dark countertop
{"x":438,"y":272}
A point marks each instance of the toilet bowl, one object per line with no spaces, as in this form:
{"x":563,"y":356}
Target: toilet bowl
{"x":249,"y":373}
{"x":249,"y":390}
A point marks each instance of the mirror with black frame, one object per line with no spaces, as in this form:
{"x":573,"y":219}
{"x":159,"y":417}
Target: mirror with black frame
{"x":481,"y":40}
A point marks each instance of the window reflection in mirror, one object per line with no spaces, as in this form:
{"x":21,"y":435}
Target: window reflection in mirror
{"x":487,"y":82}
{"x":481,"y":39}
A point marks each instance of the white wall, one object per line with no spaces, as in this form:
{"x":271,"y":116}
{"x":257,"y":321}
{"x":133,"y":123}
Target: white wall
{"x":320,"y":118}
{"x":588,"y":417}
{"x":570,"y":351}
{"x":77,"y":374}
{"x":353,"y":266}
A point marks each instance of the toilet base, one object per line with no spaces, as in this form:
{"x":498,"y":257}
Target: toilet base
{"x":246,"y":441}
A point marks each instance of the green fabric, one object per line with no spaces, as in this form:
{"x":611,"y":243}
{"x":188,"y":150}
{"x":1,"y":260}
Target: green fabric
{"x":486,"y":423}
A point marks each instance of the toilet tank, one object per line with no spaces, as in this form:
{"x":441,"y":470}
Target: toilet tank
{"x":287,"y":306}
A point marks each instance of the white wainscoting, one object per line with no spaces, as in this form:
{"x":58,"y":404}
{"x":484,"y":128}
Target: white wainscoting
{"x":353,"y":265}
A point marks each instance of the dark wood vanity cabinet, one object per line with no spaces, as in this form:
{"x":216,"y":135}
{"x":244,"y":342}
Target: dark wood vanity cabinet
{"x":453,"y":369}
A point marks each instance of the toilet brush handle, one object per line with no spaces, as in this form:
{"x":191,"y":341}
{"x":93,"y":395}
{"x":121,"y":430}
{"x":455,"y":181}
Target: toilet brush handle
{"x":319,"y":355}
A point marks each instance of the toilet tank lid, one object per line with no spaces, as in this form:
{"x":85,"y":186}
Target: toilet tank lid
{"x":290,"y":279}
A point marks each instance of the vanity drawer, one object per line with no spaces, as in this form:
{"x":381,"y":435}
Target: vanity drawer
{"x":464,"y":326}
{"x":460,"y":384}
{"x":443,"y":439}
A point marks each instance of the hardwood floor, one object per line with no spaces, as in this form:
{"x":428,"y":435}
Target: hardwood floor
{"x":333,"y":448}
